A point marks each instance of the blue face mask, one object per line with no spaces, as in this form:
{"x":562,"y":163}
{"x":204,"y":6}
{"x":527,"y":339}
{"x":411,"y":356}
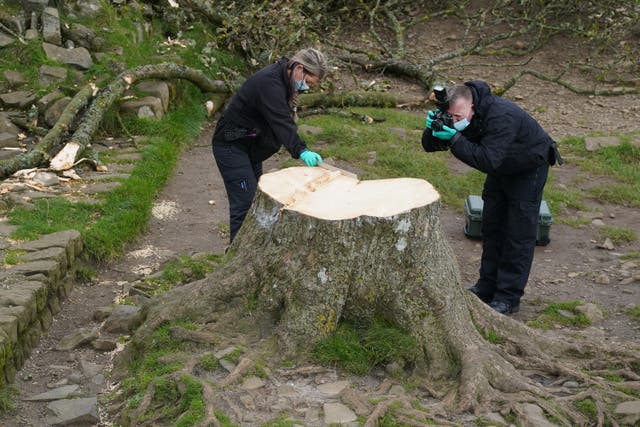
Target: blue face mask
{"x":301,"y":85}
{"x":461,"y":125}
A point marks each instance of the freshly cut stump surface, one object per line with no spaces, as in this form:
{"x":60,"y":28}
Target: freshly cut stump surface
{"x":332,"y":195}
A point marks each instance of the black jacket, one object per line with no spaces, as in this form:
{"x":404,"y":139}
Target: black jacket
{"x":502,"y":139}
{"x":261,"y":107}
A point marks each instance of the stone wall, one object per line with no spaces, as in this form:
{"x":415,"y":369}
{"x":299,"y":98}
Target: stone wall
{"x":30,"y":294}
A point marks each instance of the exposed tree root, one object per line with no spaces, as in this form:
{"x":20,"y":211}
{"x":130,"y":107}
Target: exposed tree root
{"x":533,"y":355}
{"x":380,"y":411}
{"x":243,"y":366}
{"x":470,"y":357}
{"x":193,"y":336}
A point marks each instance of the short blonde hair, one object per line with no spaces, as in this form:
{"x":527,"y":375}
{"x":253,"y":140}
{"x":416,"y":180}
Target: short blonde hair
{"x":312,"y":60}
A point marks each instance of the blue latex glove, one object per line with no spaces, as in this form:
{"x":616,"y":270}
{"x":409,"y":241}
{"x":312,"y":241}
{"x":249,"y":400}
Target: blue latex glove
{"x":311,"y":158}
{"x":445,"y":134}
{"x":430,"y":116}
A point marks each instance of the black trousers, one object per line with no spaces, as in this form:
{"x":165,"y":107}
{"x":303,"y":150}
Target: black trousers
{"x":509,"y":227}
{"x":240,"y":175}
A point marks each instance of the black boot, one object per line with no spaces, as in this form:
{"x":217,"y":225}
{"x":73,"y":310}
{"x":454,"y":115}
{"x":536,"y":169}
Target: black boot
{"x":477,"y":292}
{"x":504,"y":307}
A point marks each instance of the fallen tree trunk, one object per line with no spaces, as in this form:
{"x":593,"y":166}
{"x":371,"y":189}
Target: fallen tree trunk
{"x":50,"y":146}
{"x":423,"y":75}
{"x":114,"y":91}
{"x":356,"y":99}
{"x":319,"y":247}
{"x":40,"y":154}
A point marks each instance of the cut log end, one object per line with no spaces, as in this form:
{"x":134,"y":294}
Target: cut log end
{"x":332,"y":195}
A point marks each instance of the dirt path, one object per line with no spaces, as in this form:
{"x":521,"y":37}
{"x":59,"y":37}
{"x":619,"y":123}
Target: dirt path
{"x":184,"y":222}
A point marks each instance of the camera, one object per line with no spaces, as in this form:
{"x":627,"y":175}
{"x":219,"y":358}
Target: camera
{"x":441,"y":117}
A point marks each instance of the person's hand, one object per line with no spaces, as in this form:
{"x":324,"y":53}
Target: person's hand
{"x":311,"y":158}
{"x":430,"y":115}
{"x":445,"y":134}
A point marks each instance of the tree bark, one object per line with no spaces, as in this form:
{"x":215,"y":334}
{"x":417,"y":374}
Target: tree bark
{"x":332,"y":248}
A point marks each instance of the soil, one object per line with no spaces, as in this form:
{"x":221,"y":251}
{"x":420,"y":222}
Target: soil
{"x":192,"y":212}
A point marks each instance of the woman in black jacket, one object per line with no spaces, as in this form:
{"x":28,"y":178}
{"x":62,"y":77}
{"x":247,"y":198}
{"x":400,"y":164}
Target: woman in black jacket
{"x":258,"y":121}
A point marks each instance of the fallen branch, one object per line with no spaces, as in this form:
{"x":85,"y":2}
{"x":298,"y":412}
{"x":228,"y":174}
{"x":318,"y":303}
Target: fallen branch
{"x":40,"y":154}
{"x":12,"y":33}
{"x":558,"y":80}
{"x":355,"y":99}
{"x":423,"y":75}
{"x":114,"y":91}
{"x":26,"y":125}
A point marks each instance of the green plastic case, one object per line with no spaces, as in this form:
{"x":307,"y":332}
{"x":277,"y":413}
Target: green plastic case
{"x":473,"y":225}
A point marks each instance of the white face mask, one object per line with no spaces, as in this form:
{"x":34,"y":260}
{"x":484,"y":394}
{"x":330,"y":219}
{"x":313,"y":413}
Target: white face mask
{"x":461,"y":125}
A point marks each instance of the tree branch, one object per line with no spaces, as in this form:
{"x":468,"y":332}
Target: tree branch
{"x":580,"y":91}
{"x":42,"y":152}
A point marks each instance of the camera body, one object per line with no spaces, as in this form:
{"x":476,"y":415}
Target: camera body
{"x":441,"y":117}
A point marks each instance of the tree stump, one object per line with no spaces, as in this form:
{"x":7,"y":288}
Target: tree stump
{"x":319,"y":247}
{"x":333,"y":248}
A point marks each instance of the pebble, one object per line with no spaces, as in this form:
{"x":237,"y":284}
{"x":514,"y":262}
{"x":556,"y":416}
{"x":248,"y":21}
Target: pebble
{"x":334,"y":388}
{"x":252,"y":383}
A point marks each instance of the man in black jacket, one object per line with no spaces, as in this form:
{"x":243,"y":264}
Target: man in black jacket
{"x":257,"y":122}
{"x":497,"y":137}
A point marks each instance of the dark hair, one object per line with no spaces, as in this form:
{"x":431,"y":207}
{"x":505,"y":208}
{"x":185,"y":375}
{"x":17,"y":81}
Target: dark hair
{"x":459,"y":91}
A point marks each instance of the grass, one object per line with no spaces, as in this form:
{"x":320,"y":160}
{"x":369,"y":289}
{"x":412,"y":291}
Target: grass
{"x":8,"y":395}
{"x":630,"y":256}
{"x":282,"y":421}
{"x":634,"y":312}
{"x":618,"y":235}
{"x":224,"y":420}
{"x":553,"y":315}
{"x":152,"y":368}
{"x":209,"y":363}
{"x":588,"y":408}
{"x":14,"y":256}
{"x":182,"y":270}
{"x":85,"y":274}
{"x":493,"y":337}
{"x":618,"y":163}
{"x":358,"y":349}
